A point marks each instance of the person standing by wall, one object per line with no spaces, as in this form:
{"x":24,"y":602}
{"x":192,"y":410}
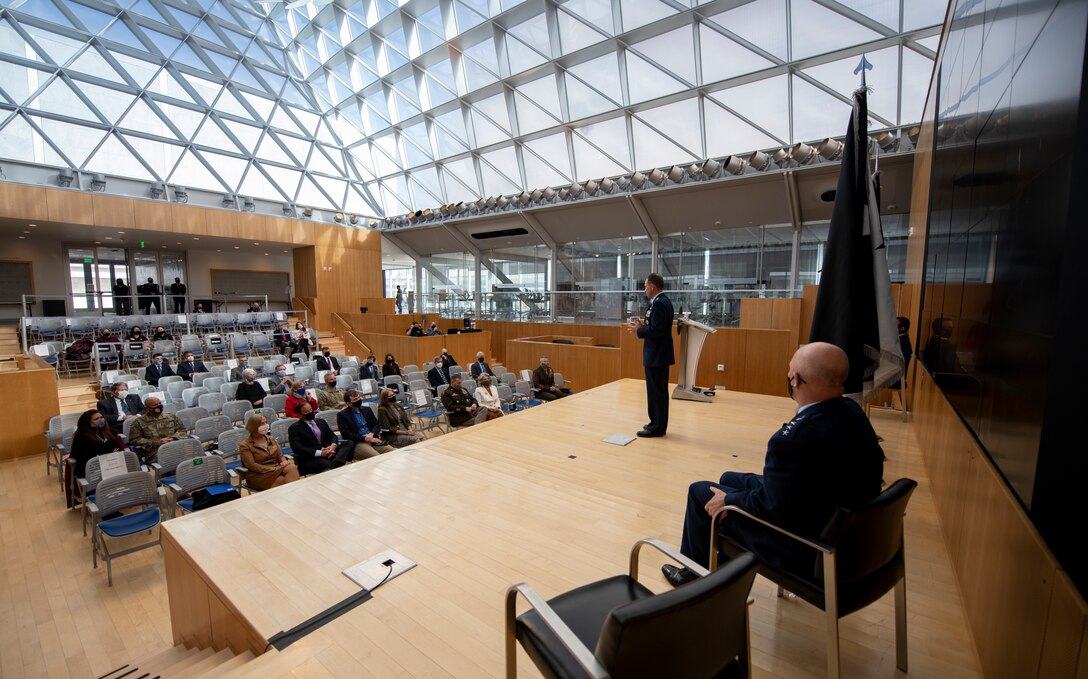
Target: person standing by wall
{"x":178,"y":290}
{"x":657,"y":354}
{"x":400,"y":300}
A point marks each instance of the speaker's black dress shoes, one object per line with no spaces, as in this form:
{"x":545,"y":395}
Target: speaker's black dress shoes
{"x":647,"y":434}
{"x":678,"y":575}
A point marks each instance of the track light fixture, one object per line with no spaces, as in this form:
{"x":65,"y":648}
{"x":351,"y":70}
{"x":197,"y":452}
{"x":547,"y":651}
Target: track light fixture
{"x":576,"y":190}
{"x":592,"y":187}
{"x":249,"y":205}
{"x":229,"y":200}
{"x":829,"y":149}
{"x":181,"y":194}
{"x":501,"y":202}
{"x":781,"y":158}
{"x":735,"y":165}
{"x":549,"y":194}
{"x":711,"y":167}
{"x":802,"y":153}
{"x":913,"y":133}
{"x":339,"y":217}
{"x":657,"y":177}
{"x":607,"y":185}
{"x":308,"y":212}
{"x":638,"y":179}
{"x":622,"y":183}
{"x":564,"y":194}
{"x":158,"y":189}
{"x":887,"y":142}
{"x":491,"y":202}
{"x":98,"y":182}
{"x":759,"y":160}
{"x":524,"y":198}
{"x":354,"y":219}
{"x":535,"y":196}
{"x":676,"y":174}
{"x":64,"y":177}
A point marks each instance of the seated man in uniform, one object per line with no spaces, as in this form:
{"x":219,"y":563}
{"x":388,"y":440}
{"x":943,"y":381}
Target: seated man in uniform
{"x":826,"y":457}
{"x":461,"y":406}
{"x":330,"y":398}
{"x":154,"y":428}
{"x":544,"y":382}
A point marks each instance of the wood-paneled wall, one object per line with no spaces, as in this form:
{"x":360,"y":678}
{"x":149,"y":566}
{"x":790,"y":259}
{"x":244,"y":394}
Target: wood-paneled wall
{"x":504,"y":331}
{"x":379,"y":305}
{"x":587,"y":366}
{"x":419,"y":350}
{"x":36,"y":388}
{"x":773,"y":314}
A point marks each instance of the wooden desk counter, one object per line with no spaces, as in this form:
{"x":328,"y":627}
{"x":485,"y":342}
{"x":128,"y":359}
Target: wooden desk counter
{"x":35,"y":382}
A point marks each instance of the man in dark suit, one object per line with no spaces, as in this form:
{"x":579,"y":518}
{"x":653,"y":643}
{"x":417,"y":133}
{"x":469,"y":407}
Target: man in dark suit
{"x":826,"y":457}
{"x":370,"y":370}
{"x":657,"y":354}
{"x":313,"y":444}
{"x":237,"y":372}
{"x":178,"y":289}
{"x":480,"y":366}
{"x":119,"y":407}
{"x":358,"y":424}
{"x":439,"y":374}
{"x":158,"y":369}
{"x":188,"y":366}
{"x":326,"y":361}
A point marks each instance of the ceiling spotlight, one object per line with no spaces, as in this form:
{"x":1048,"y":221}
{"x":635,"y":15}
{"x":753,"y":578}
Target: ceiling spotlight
{"x":181,"y":194}
{"x":308,"y":212}
{"x":781,"y":158}
{"x":549,"y":194}
{"x":564,"y":194}
{"x":676,"y":174}
{"x":913,"y":133}
{"x":429,"y":215}
{"x":490,"y":202}
{"x":829,"y":148}
{"x":98,"y":182}
{"x":288,"y":210}
{"x":734,"y":165}
{"x":759,"y":160}
{"x":607,"y":185}
{"x":535,"y":196}
{"x":339,"y":217}
{"x":621,"y":183}
{"x":638,"y":179}
{"x":502,"y":202}
{"x":711,"y":167}
{"x":249,"y":205}
{"x":64,"y":177}
{"x":472,"y":208}
{"x":576,"y":190}
{"x":228,"y":200}
{"x":802,"y":153}
{"x":887,"y":141}
{"x":523,"y":198}
{"x":592,"y":187}
{"x":657,"y":177}
{"x":157,"y":190}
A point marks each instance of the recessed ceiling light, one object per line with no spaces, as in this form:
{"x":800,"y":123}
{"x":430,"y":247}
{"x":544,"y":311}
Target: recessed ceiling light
{"x":285,"y":250}
{"x":22,"y":237}
{"x":179,"y":243}
{"x":121,"y":232}
{"x":26,"y":232}
{"x":218,"y":250}
{"x":164,"y":247}
{"x":109,"y":237}
{"x":256,"y":243}
{"x":31,"y":224}
{"x":236,"y":247}
{"x":266,"y":254}
{"x":98,"y":242}
{"x":195,"y":238}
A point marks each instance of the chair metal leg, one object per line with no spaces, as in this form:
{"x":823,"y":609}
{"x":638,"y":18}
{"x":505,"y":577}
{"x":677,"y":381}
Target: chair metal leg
{"x":831,"y":609}
{"x":511,"y":634}
{"x":901,"y":624}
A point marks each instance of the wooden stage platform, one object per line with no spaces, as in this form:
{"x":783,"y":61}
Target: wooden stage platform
{"x":535,"y":497}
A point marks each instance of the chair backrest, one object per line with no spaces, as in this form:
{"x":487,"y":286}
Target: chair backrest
{"x":163,"y":347}
{"x":131,"y":489}
{"x":58,"y":424}
{"x":172,"y":407}
{"x":191,"y":395}
{"x":171,"y":454}
{"x":190,"y":343}
{"x":198,"y":378}
{"x":212,"y":384}
{"x":440,"y":389}
{"x":372,"y":385}
{"x":208,"y":428}
{"x":523,"y":387}
{"x":869,"y":538}
{"x":304,"y":373}
{"x":212,"y":402}
{"x":199,"y":472}
{"x":93,"y":471}
{"x":236,"y":410}
{"x":416,"y":385}
{"x":189,"y":417}
{"x":470,"y":385}
{"x":455,"y":370}
{"x":175,"y":389}
{"x":667,"y":636}
{"x":415,"y":375}
{"x":344,"y":381}
{"x":352,"y":372}
{"x":229,"y":389}
{"x":277,"y":402}
{"x":330,"y":418}
{"x":230,"y":440}
{"x":505,"y":393}
{"x":508,"y":378}
{"x":168,"y":380}
{"x":559,"y":381}
{"x":268,"y":412}
{"x":279,"y":429}
{"x":411,"y":368}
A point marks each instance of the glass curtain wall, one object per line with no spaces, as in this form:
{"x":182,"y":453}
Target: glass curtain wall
{"x":814,"y":239}
{"x":449,"y":284}
{"x":513,"y":282}
{"x":600,"y":280}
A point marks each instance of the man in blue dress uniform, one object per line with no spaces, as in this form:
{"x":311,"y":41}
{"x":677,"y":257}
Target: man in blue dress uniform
{"x":657,"y":354}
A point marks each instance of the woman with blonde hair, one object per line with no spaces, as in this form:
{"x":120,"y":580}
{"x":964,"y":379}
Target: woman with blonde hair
{"x":487,"y":395}
{"x":266,"y":467}
{"x":395,"y":420}
{"x":250,"y":389}
{"x":296,"y":396}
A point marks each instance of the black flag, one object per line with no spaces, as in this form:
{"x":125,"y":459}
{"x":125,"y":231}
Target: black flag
{"x":854,"y":308}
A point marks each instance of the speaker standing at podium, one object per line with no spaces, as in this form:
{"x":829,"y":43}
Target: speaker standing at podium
{"x":657,"y":354}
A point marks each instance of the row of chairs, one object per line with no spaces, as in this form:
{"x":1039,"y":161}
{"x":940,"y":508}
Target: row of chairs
{"x":50,"y":328}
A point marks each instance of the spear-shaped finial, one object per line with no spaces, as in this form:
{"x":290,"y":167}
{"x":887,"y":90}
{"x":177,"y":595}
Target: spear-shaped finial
{"x":863,"y":66}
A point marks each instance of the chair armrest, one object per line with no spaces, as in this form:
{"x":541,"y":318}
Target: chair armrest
{"x":176,"y":488}
{"x":84,"y":484}
{"x":156,"y":467}
{"x":553,"y":622}
{"x":720,"y":514}
{"x":231,"y":474}
{"x":239,"y":470}
{"x":668,"y":550}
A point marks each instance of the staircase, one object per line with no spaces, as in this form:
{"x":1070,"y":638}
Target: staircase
{"x":9,"y":341}
{"x":76,"y":394}
{"x":179,"y":661}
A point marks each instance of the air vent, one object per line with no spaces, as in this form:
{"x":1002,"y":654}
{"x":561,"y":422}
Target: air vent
{"x":504,"y":233}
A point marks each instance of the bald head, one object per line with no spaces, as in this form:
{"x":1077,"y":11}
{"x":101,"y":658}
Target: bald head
{"x":817,"y":372}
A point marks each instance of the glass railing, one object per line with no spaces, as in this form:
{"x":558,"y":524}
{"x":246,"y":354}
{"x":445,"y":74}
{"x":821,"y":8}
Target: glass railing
{"x":108,"y":304}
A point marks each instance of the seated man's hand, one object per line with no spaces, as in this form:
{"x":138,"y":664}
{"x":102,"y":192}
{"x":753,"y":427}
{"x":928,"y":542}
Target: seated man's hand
{"x":260,"y":402}
{"x":717,"y":501}
{"x":167,"y":439}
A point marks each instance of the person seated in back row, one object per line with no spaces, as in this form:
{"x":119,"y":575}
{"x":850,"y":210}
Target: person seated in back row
{"x":280,"y":381}
{"x":161,"y":334}
{"x":439,"y":374}
{"x":120,"y":406}
{"x":370,"y":370}
{"x":326,"y":361}
{"x":544,"y":382}
{"x":357,"y":423}
{"x":433,"y":330}
{"x":188,"y":366}
{"x":330,"y":398}
{"x":415,"y":330}
{"x":243,"y":365}
{"x":250,"y":389}
{"x":154,"y":428}
{"x":159,"y":368}
{"x":480,"y":367}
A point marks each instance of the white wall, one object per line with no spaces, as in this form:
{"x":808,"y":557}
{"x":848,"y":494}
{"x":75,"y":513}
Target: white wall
{"x":201,"y":263}
{"x":48,"y":267}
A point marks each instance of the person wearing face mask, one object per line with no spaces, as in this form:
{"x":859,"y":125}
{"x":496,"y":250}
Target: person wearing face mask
{"x":236,"y":374}
{"x":395,"y":420}
{"x":296,"y":396}
{"x":448,"y":359}
{"x":326,"y":361}
{"x":330,"y":398}
{"x":159,"y":368}
{"x":188,"y":366}
{"x":92,"y":438}
{"x":314,"y":445}
{"x":487,"y":395}
{"x":302,"y":339}
{"x":390,"y":366}
{"x":432,"y":330}
{"x":825,"y":458}
{"x":415,"y":330}
{"x":283,"y":341}
{"x":544,"y":382}
{"x":439,"y":374}
{"x":280,"y":381}
{"x":250,"y":389}
{"x":480,"y":367}
{"x":266,"y":467}
{"x":153,"y":429}
{"x":357,"y":423}
{"x":370,"y":369}
{"x":136,"y":334}
{"x":461,"y":407}
{"x":162,"y":333}
{"x":120,"y":406}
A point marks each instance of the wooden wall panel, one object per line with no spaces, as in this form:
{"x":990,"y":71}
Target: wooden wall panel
{"x":188,"y":219}
{"x":110,"y":211}
{"x":70,"y":206}
{"x":379,"y":305}
{"x":23,"y":202}
{"x":505,"y":331}
{"x":808,"y":306}
{"x":154,"y":215}
{"x":766,"y":358}
{"x":36,"y":385}
{"x":786,"y":315}
{"x":419,"y":350}
{"x":225,"y":223}
{"x":756,"y":312}
{"x":305,"y":269}
{"x":1065,"y":630}
{"x":728,"y":347}
{"x":586,"y":366}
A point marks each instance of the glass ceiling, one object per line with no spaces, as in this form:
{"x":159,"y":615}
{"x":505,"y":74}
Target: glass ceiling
{"x":379,"y":108}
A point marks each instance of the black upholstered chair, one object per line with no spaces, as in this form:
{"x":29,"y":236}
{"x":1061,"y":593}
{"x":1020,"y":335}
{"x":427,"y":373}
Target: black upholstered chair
{"x":860,"y":559}
{"x":618,"y":628}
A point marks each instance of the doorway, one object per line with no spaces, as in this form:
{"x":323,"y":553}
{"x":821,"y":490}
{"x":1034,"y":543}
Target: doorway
{"x":93,"y":271}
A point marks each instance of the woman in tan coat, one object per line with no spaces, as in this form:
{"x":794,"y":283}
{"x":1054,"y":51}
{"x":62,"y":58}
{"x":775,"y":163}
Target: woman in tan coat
{"x":262,"y":457}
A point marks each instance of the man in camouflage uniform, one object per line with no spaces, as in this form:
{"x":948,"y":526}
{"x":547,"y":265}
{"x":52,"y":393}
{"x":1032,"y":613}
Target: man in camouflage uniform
{"x":153,"y":429}
{"x":544,"y":382}
{"x":460,"y":405}
{"x":330,"y":398}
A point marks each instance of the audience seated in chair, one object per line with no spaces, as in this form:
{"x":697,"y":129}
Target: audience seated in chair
{"x":313,"y":444}
{"x":266,"y":467}
{"x":162,"y":333}
{"x":415,"y":330}
{"x":480,"y":366}
{"x":390,"y":367}
{"x":120,"y":406}
{"x":92,"y":438}
{"x":544,"y":382}
{"x":370,"y":370}
{"x":280,"y":381}
{"x":159,"y":367}
{"x":330,"y":398}
{"x":243,"y":365}
{"x":136,"y":334}
{"x":433,"y":330}
{"x":326,"y":361}
{"x":396,"y":422}
{"x":825,"y":458}
{"x":250,"y":389}
{"x":439,"y":374}
{"x":461,"y":407}
{"x":281,"y":338}
{"x":357,"y":423}
{"x":487,"y":395}
{"x":298,"y":395}
{"x":448,"y":360}
{"x":302,"y":339}
{"x":154,"y":428}
{"x":188,"y":366}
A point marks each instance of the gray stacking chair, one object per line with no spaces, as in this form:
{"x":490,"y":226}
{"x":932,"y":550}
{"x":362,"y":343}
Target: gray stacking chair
{"x":125,"y":491}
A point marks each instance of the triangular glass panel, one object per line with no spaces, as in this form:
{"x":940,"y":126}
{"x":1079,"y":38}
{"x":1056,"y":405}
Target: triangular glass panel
{"x":816,"y":114}
{"x":228,"y":103}
{"x":723,"y":58}
{"x":324,"y":134}
{"x":191,"y":172}
{"x":923,"y":13}
{"x":674,"y":51}
{"x":270,"y":150}
{"x":603,"y":75}
{"x":405,"y":108}
{"x":142,"y":118}
{"x":167,"y":85}
{"x":596,"y":12}
{"x":336,"y":188}
{"x":883,"y":79}
{"x":93,"y":63}
{"x":454,"y":122}
{"x":539,"y":173}
{"x":282,"y":121}
{"x":186,"y":120}
{"x":447,"y":144}
{"x":646,"y":81}
{"x":260,"y":104}
{"x":418,"y":135}
{"x":424,"y":186}
{"x":306,"y":119}
{"x":361,"y":156}
{"x":93,"y":20}
{"x":584,"y":102}
{"x":212,"y":136}
{"x":240,"y":42}
{"x":186,"y":20}
{"x":17,"y":82}
{"x":534,"y":33}
{"x":386,"y":155}
{"x":110,"y":103}
{"x":162,"y":157}
{"x":436,"y":94}
{"x":762,"y":23}
{"x":19,"y":140}
{"x":58,"y":97}
{"x":462,"y":171}
{"x":764,"y":102}
{"x":395,"y":199}
{"x":76,"y":141}
{"x":544,"y":93}
{"x":146,"y":9}
{"x":226,"y":65}
{"x":883,"y":11}
{"x":113,"y":158}
{"x":286,"y":179}
{"x":299,"y":148}
{"x":47,"y":10}
{"x":591,"y":163}
{"x":336,"y":157}
{"x":12,"y":43}
{"x":207,"y":90}
{"x":495,"y":109}
{"x":818,"y":30}
{"x":553,"y":148}
{"x":574,"y":35}
{"x":164,"y":44}
{"x":675,"y":122}
{"x":275,"y":81}
{"x":466,"y":17}
{"x":496,"y":183}
{"x":358,"y":204}
{"x":120,"y":32}
{"x":319,"y":163}
{"x":311,"y":196}
{"x":257,"y":185}
{"x":187,"y":56}
{"x":637,"y":13}
{"x":917,"y":71}
{"x":487,"y":132}
{"x":520,"y":57}
{"x":57,"y":47}
{"x":531,"y":118}
{"x":139,"y":70}
{"x":247,"y":135}
{"x":377,"y":117}
{"x":654,"y":150}
{"x":611,"y":137}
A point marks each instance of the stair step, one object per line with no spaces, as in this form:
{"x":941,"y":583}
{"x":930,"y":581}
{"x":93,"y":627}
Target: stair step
{"x":211,"y":663}
{"x":181,"y":667}
{"x":231,"y":665}
{"x":154,"y":664}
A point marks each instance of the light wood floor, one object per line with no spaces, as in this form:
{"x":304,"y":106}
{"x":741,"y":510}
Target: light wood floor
{"x":58,"y":617}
